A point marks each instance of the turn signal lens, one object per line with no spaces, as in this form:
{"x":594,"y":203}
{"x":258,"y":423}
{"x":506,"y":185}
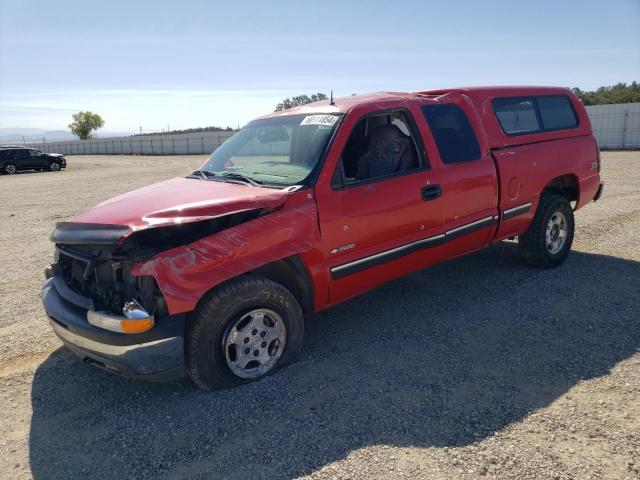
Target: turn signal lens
{"x":136,"y":326}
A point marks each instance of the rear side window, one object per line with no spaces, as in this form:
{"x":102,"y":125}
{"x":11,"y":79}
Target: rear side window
{"x":556,"y":113}
{"x":452,"y":132}
{"x":516,"y":115}
{"x":522,"y":115}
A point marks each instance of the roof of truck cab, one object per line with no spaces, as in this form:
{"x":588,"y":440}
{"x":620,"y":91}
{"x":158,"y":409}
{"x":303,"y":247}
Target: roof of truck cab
{"x":499,"y":91}
{"x":340,"y":104}
{"x":477,"y":94}
{"x":480,"y":97}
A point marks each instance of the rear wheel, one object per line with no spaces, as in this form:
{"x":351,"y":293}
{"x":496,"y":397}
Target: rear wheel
{"x":242,"y":331}
{"x":547,"y":241}
{"x":10,"y":169}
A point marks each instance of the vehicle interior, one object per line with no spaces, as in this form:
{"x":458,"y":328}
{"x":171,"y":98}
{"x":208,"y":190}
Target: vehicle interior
{"x":379,"y":145}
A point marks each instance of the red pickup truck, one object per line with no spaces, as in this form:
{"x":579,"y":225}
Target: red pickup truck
{"x":212,"y":274}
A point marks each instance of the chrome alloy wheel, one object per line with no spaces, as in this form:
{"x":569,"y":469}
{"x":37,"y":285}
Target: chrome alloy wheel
{"x":556,"y":233}
{"x":10,"y":169}
{"x":254,"y":343}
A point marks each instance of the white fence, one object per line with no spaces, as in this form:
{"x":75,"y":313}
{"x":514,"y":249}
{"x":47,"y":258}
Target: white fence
{"x":616,"y":126}
{"x":178,"y":144}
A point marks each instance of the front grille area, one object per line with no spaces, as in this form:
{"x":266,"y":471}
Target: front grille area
{"x":107,"y":281}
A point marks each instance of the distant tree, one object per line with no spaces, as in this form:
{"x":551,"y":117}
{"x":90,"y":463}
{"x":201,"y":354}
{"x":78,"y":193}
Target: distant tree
{"x":299,"y":100}
{"x":187,"y":130}
{"x":84,"y":123}
{"x":619,"y":93}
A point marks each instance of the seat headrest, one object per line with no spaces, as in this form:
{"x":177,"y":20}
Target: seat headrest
{"x":385,"y":135}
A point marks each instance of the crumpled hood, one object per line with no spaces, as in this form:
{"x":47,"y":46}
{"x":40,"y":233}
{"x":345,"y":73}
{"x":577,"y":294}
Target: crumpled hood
{"x":179,"y":200}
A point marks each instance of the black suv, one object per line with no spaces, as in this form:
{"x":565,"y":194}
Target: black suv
{"x":13,"y":159}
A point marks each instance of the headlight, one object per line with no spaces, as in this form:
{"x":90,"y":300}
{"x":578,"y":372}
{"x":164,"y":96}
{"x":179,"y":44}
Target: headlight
{"x":135,"y":319}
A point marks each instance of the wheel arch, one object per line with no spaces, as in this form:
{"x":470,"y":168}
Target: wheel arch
{"x":291,"y":273}
{"x":566,"y":185}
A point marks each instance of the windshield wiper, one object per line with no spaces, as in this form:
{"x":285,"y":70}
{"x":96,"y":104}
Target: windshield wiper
{"x":240,"y":176}
{"x":203,"y":174}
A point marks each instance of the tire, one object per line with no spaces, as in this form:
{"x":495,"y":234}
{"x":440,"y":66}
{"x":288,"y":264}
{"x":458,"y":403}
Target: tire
{"x":217,"y":335}
{"x":547,"y":241}
{"x":54,"y":167}
{"x":10,"y":169}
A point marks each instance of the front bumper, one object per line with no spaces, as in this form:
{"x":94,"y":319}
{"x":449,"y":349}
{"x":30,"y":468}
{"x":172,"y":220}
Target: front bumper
{"x":156,"y":355}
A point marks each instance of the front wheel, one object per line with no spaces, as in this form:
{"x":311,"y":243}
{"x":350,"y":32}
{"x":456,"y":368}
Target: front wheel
{"x":54,"y":166}
{"x":242,"y":331}
{"x":547,"y":241}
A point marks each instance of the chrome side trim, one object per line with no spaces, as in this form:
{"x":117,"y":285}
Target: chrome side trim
{"x":470,"y":227}
{"x":386,"y":256}
{"x":355,"y":266}
{"x":515,"y":211}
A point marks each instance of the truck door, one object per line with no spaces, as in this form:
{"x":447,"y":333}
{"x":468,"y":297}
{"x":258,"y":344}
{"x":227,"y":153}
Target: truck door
{"x":466,"y":171}
{"x":383,"y":216}
{"x":371,"y":201}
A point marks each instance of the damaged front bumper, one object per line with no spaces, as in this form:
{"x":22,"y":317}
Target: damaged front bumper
{"x":156,"y":355}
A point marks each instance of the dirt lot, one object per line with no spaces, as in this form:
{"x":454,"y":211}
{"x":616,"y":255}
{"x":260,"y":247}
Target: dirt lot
{"x":478,"y":368}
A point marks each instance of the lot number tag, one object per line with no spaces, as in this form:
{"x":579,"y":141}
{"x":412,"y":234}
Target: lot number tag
{"x":328,"y":120}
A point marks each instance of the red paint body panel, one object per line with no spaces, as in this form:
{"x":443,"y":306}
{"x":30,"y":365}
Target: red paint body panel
{"x":375,"y":217}
{"x":186,"y":273}
{"x":533,"y":166}
{"x":179,"y":200}
{"x":353,"y":285}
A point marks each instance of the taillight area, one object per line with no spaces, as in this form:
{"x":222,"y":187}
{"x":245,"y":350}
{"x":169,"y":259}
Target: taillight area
{"x":595,"y":141}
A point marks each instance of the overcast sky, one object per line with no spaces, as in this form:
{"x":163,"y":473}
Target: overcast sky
{"x":198,"y":63}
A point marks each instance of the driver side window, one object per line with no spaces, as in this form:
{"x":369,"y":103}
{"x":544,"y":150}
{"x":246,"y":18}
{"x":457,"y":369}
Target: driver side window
{"x":379,"y":146}
{"x":35,"y":153}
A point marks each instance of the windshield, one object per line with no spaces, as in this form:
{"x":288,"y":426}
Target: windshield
{"x":279,"y":151}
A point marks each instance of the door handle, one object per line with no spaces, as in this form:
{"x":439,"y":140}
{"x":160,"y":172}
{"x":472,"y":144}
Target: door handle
{"x":430,"y":192}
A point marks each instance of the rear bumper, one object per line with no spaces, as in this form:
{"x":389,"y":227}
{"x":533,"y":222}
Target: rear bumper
{"x":156,"y":355}
{"x":599,"y":192}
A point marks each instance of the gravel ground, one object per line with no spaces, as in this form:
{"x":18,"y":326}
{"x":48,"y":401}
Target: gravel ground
{"x":477,"y":368}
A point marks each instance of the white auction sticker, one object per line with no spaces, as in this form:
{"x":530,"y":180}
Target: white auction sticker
{"x":328,"y":120}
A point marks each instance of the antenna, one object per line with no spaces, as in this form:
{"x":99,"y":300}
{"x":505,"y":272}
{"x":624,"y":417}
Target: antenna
{"x":331,"y":102}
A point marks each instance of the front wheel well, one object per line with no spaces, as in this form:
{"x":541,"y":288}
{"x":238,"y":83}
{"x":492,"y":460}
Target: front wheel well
{"x":566,"y":186}
{"x":291,"y":273}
